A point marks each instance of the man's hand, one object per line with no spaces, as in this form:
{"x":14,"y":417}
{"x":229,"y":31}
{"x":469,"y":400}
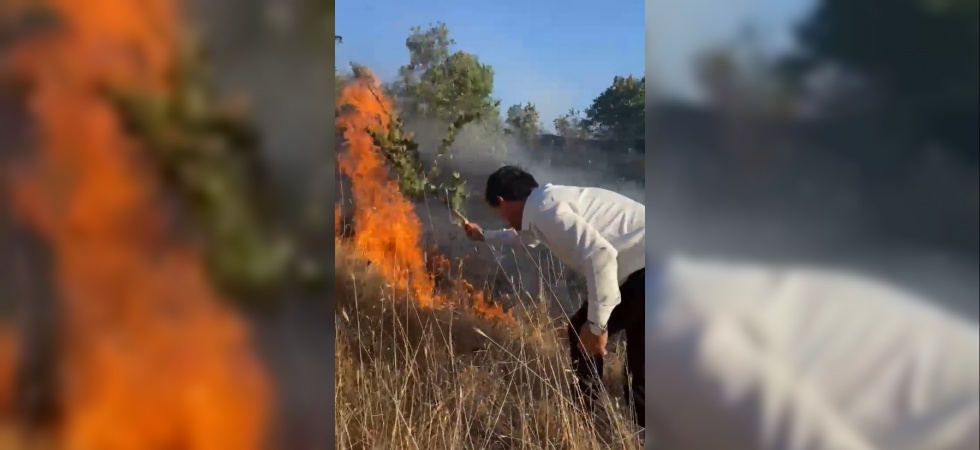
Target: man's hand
{"x":473,"y":231}
{"x":592,"y":344}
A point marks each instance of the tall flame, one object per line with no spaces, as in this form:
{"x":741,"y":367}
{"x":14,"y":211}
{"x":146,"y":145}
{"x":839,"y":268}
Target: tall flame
{"x":152,"y":358}
{"x":8,"y":358}
{"x":387,"y":232}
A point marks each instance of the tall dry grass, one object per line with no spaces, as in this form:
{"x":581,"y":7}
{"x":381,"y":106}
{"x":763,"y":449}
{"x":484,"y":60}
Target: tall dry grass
{"x":412,"y":378}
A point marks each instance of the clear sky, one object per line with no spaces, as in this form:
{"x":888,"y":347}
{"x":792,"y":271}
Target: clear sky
{"x":558,"y":54}
{"x":678,"y":30}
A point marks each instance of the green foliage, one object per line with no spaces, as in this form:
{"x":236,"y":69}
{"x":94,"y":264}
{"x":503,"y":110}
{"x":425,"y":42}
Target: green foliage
{"x":523,"y":121}
{"x":401,"y":150}
{"x":922,"y":55}
{"x":718,"y":73}
{"x":440,"y":84}
{"x":209,"y":154}
{"x":453,"y":192}
{"x":426,"y":50}
{"x":461,"y":85}
{"x":570,"y":125}
{"x":740,"y":79}
{"x":450,"y":87}
{"x":415,"y":180}
{"x":618,"y":113}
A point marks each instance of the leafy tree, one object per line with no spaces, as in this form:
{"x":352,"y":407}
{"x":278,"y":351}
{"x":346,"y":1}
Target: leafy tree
{"x":570,"y":125}
{"x":438,"y":83}
{"x":718,"y":76}
{"x":523,"y":121}
{"x":426,"y":50}
{"x":738,"y":79}
{"x":921,"y":56}
{"x":618,"y":113}
{"x":208,"y":153}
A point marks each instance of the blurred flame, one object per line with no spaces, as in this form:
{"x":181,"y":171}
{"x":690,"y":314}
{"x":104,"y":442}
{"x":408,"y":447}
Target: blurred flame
{"x":152,"y":358}
{"x":8,"y":359}
{"x":387,"y":232}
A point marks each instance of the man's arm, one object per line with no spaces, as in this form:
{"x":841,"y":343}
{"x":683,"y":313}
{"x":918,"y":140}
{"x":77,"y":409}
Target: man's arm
{"x":510,"y":236}
{"x":564,"y":229}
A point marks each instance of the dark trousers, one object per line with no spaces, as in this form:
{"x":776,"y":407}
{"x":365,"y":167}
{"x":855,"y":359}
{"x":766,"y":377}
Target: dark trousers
{"x":629,"y":316}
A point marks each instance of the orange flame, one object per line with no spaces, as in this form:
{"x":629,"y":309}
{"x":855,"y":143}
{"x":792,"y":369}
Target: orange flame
{"x":8,"y":359}
{"x":152,"y":358}
{"x":387,"y":232}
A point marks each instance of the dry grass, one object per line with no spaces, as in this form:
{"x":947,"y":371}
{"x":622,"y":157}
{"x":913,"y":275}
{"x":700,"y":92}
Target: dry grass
{"x":411,"y":378}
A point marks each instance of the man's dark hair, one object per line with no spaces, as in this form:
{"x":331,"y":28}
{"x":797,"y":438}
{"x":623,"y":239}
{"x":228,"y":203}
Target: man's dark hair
{"x":509,"y":183}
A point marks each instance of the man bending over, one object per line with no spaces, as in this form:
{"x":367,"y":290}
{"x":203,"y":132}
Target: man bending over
{"x":601,"y":235}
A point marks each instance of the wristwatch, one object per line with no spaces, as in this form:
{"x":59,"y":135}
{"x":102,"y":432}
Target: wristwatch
{"x":597,"y":329}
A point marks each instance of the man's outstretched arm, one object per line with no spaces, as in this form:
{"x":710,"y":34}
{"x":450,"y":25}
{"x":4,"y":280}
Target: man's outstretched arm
{"x":507,"y":236}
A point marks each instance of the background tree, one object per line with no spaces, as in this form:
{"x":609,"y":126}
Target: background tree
{"x":717,"y":74}
{"x":426,"y":50}
{"x":740,"y":79}
{"x":751,"y":101}
{"x":437,"y":83}
{"x":618,"y":113}
{"x":523,"y":121}
{"x":921,"y":56}
{"x":570,"y":125}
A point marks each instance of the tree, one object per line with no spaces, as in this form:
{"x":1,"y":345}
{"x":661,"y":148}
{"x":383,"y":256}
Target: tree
{"x":523,"y":121}
{"x":718,"y":76}
{"x":921,"y":56}
{"x":618,"y":113}
{"x":751,"y":102}
{"x":570,"y":125}
{"x":740,"y":80}
{"x":426,"y":50}
{"x":439,"y":84}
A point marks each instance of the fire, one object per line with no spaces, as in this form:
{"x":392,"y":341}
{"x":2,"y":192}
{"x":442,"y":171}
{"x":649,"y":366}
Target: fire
{"x":8,"y":358}
{"x":152,"y":358}
{"x":387,"y":232}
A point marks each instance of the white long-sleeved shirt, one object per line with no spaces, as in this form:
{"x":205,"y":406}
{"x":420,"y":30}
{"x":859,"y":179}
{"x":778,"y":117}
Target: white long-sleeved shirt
{"x":750,"y":357}
{"x":596,"y":232}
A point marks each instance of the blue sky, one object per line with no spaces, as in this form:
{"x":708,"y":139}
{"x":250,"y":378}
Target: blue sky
{"x":558,"y":54}
{"x":678,"y":30}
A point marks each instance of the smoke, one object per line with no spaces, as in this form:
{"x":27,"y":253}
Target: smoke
{"x":816,"y":205}
{"x":262,"y":51}
{"x":479,"y":149}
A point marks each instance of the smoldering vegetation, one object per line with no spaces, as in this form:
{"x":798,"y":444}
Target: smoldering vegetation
{"x":475,"y":154}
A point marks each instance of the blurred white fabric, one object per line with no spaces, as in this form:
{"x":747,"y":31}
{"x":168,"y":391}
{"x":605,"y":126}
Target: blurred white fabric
{"x":743,"y":357}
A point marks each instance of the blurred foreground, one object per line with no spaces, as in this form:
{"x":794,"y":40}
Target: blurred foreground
{"x":127,"y":240}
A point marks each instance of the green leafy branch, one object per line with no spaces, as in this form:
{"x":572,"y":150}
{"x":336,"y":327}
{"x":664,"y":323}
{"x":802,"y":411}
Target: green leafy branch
{"x":415,"y":181}
{"x":208,"y":153}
